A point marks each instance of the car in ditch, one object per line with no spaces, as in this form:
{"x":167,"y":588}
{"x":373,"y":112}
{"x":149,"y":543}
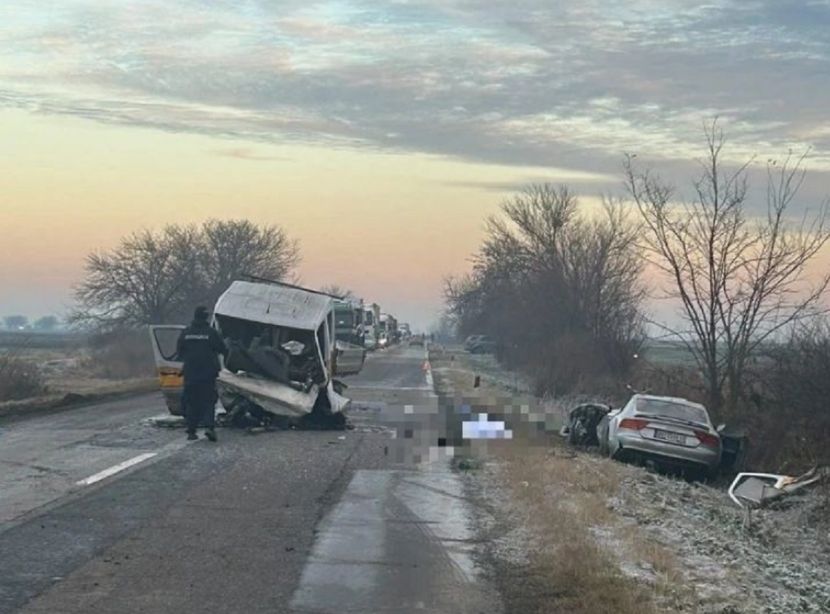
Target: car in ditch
{"x":580,"y":429}
{"x":281,"y":354}
{"x":670,"y":432}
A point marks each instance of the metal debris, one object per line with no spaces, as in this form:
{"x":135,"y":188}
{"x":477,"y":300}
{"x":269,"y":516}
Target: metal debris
{"x":758,"y":489}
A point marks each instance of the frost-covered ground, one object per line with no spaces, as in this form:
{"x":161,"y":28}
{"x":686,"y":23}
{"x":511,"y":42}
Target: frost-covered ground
{"x":549,"y":514}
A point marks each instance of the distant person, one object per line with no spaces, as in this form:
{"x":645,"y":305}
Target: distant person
{"x":199,"y":347}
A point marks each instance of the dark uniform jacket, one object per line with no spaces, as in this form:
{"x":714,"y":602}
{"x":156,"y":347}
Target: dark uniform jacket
{"x":199,"y":347}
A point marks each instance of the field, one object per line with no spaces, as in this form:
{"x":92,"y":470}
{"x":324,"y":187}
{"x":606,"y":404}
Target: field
{"x":63,"y":368}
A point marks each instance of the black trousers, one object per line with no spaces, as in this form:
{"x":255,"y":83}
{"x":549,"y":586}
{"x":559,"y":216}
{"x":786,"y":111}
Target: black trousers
{"x":199,"y":401}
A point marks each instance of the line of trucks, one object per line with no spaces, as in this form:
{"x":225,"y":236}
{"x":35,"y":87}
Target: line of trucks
{"x":366,"y":326}
{"x":286,"y":344}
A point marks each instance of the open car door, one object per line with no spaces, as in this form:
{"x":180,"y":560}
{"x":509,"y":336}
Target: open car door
{"x":164,"y":339}
{"x":348,"y":358}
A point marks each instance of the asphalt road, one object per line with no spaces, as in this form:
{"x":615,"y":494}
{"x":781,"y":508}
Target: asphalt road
{"x":101,"y":510}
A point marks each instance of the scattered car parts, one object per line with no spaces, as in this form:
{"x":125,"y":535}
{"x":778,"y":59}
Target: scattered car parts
{"x":583,"y":420}
{"x":758,"y":489}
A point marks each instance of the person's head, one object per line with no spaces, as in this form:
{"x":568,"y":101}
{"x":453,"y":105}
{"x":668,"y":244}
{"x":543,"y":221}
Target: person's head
{"x":201,"y":314}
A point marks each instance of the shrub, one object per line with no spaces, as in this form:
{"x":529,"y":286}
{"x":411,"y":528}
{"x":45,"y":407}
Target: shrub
{"x":19,"y":378}
{"x":122,"y":354}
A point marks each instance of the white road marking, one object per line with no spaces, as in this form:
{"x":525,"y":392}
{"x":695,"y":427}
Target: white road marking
{"x":116,"y":468}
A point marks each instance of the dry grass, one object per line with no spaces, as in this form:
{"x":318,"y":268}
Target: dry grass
{"x":122,"y":354}
{"x":565,"y":503}
{"x":19,"y":378}
{"x":583,"y":558}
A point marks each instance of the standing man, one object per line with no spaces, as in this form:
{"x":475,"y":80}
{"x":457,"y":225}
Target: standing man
{"x":199,"y":347}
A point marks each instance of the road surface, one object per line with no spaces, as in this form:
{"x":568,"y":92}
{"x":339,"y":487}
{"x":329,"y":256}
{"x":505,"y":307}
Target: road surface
{"x":102,"y":510}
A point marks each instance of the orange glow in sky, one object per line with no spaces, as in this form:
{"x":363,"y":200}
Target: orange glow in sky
{"x":378,"y":134}
{"x":387,"y":226}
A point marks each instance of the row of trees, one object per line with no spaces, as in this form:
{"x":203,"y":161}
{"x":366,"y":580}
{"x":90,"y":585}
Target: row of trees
{"x":559,"y":292}
{"x":562,"y":293}
{"x":740,"y":278}
{"x":20,"y":322}
{"x":158,"y":277}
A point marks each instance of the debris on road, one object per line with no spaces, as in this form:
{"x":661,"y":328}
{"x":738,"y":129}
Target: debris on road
{"x":758,"y":489}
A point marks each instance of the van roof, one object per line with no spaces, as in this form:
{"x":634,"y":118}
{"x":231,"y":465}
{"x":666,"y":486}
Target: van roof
{"x":274,"y":304}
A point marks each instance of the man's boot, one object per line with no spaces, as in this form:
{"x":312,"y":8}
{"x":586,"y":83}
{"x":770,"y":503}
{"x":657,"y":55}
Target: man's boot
{"x":210,"y":434}
{"x":191,"y":436}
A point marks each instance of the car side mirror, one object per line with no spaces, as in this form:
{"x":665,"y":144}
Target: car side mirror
{"x":721,"y":428}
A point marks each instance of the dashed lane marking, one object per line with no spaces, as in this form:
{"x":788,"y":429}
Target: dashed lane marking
{"x":101,"y":475}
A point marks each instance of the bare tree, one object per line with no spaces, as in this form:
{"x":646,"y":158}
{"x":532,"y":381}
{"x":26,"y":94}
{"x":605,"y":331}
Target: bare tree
{"x":739,"y":280}
{"x":337,"y":290}
{"x":559,"y":292}
{"x":158,"y":277}
{"x":142,"y":281}
{"x":233,"y":247}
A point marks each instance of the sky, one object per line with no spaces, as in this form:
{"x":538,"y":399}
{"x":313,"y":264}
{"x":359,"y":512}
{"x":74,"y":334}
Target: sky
{"x":379,"y":134}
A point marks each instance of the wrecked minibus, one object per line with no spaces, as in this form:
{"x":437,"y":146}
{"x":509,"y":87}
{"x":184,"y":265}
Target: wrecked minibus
{"x":281,"y":351}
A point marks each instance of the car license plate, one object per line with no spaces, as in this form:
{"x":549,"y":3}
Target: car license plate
{"x":670,"y":437}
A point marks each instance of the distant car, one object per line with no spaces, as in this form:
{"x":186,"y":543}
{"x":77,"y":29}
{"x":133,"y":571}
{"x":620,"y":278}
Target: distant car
{"x":471,"y":340}
{"x":482,"y":345}
{"x":416,"y":340}
{"x":671,"y":432}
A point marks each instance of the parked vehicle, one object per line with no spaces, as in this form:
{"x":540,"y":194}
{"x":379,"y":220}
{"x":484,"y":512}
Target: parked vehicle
{"x":350,"y":351}
{"x":348,"y":321}
{"x":482,"y":344}
{"x":388,"y":330}
{"x":404,"y":330}
{"x":281,"y":352}
{"x":471,"y":340}
{"x":416,"y":340}
{"x":371,"y":326}
{"x":671,"y":432}
{"x":383,"y":340}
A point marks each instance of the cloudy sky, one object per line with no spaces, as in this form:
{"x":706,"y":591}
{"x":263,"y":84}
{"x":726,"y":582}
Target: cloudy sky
{"x":390,"y":129}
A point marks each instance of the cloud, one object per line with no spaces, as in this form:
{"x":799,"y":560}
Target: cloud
{"x":246,"y":153}
{"x":522,"y":82}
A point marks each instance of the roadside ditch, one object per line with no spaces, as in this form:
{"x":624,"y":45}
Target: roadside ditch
{"x":566,"y":530}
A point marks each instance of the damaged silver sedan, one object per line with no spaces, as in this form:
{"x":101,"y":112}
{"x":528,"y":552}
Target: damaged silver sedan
{"x":280,"y":360}
{"x":666,"y":431}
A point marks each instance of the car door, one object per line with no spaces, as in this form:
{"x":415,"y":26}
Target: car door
{"x":164,"y":339}
{"x":348,"y":358}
